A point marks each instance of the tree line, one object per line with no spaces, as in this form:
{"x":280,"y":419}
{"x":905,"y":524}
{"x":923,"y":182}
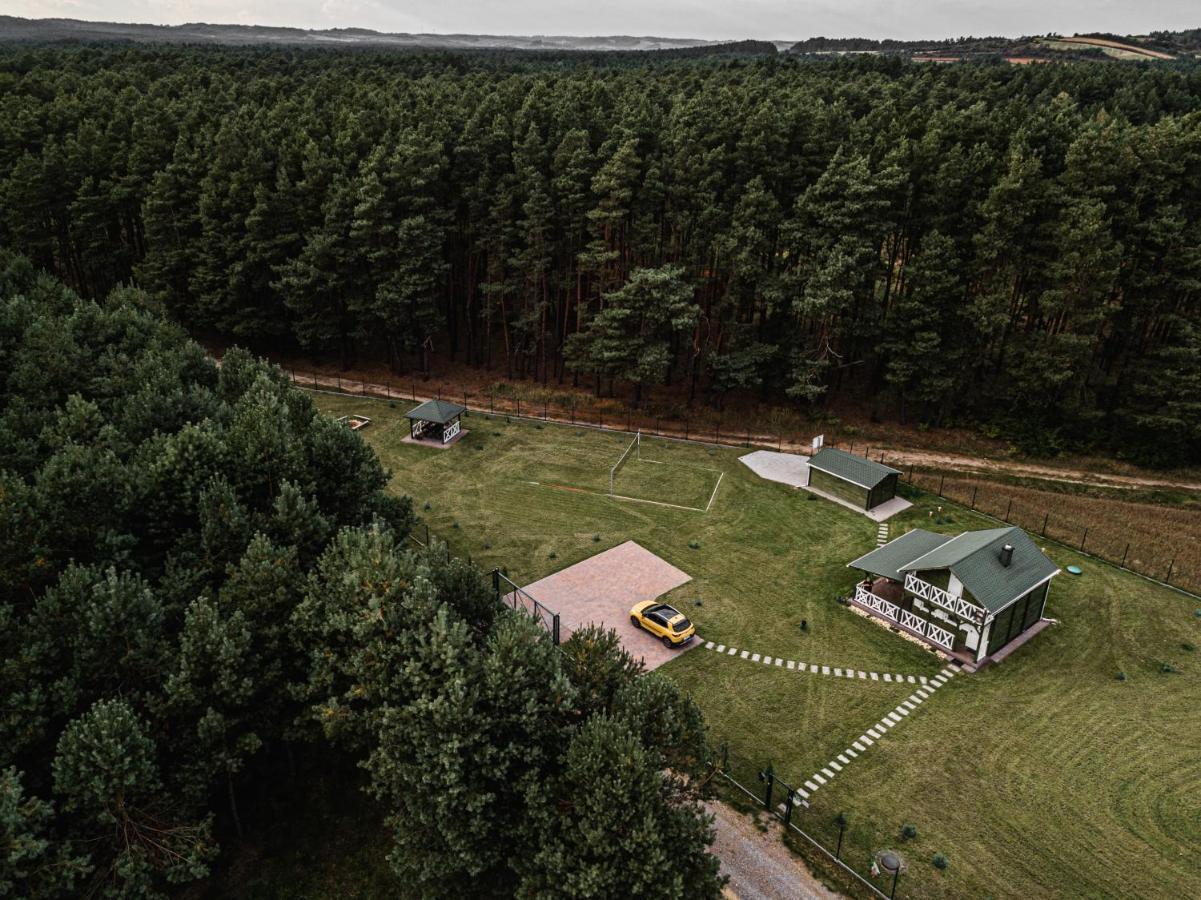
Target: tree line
{"x":204,"y":587}
{"x":1010,"y":247}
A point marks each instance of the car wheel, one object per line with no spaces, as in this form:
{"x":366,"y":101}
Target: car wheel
{"x":634,"y":621}
{"x":667,"y":643}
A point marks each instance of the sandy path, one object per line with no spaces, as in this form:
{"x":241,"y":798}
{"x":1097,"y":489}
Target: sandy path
{"x":759,"y":865}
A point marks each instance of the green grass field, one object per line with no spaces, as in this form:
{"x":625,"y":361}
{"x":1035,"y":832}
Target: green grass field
{"x":1045,"y":776}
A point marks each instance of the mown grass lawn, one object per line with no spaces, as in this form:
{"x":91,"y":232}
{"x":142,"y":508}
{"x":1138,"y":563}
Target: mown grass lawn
{"x":1045,"y":776}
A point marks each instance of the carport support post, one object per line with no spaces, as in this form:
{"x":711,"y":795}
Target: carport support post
{"x":554,"y":626}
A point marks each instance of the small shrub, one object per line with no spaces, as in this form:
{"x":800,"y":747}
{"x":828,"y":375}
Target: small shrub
{"x":479,"y":446}
{"x":1167,"y":668}
{"x":1188,"y":646}
{"x":552,"y":555}
{"x":596,"y":538}
{"x":811,"y":497}
{"x":392,"y":404}
{"x":908,"y":832}
{"x":454,"y":524}
{"x":1121,"y":676}
{"x":713,"y":451}
{"x":694,"y":544}
{"x":940,"y":861}
{"x":487,"y":545}
{"x":496,"y":434}
{"x":537,"y":427}
{"x":427,"y":506}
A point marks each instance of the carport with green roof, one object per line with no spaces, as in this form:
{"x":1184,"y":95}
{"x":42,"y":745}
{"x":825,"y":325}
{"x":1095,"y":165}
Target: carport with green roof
{"x":436,"y":421}
{"x":861,"y":482}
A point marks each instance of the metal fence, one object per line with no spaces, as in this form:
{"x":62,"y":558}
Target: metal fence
{"x":514,"y":597}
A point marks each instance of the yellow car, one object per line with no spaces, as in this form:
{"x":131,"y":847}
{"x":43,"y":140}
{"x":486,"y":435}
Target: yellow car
{"x":665,"y":622}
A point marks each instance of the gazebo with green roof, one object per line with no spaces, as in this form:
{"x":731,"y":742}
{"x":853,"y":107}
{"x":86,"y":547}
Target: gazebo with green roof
{"x":972,"y":596}
{"x":861,"y":482}
{"x":435,"y":421}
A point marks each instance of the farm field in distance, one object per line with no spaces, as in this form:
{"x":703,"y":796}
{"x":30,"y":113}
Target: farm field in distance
{"x":1043,"y":776}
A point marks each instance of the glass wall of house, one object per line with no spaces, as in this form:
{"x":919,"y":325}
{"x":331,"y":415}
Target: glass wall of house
{"x":1016,"y":618}
{"x":840,"y":488}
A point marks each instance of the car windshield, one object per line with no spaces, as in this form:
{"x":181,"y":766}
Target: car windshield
{"x":682,"y":625}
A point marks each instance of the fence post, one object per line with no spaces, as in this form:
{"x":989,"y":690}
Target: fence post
{"x":555,"y":629}
{"x":464,"y":399}
{"x":573,"y":410}
{"x":780,"y":442}
{"x":768,"y":776}
{"x":941,"y":479}
{"x":975,"y":488}
{"x":1168,"y":578}
{"x":1083,"y":539}
{"x":496,"y":583}
{"x":687,"y":425}
{"x":911,"y":474}
{"x":788,"y":807}
{"x":842,"y":827}
{"x":1124,"y":552}
{"x":717,"y":433}
{"x":1046,"y":517}
{"x":339,"y":377}
{"x":629,"y":416}
{"x":1008,"y":510}
{"x":543,"y":410}
{"x":519,"y":407}
{"x":748,"y":437}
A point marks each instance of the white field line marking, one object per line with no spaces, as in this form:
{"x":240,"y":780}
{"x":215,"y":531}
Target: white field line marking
{"x":720,"y":476}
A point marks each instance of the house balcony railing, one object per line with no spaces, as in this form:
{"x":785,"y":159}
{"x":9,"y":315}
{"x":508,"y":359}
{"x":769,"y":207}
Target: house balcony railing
{"x":904,"y":619}
{"x":936,"y":595}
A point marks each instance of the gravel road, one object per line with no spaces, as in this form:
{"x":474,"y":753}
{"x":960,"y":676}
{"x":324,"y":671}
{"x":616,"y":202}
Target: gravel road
{"x":759,"y":865}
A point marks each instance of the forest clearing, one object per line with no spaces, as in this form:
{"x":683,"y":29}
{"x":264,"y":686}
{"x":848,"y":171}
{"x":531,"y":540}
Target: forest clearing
{"x":1052,"y":720}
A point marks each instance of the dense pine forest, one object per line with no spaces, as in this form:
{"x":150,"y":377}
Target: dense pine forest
{"x":1012,"y":247}
{"x":205,"y":595}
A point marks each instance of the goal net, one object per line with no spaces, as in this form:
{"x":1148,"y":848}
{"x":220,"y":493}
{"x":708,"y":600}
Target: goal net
{"x":635,"y":450}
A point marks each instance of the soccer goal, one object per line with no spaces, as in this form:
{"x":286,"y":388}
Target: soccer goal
{"x":635,"y":450}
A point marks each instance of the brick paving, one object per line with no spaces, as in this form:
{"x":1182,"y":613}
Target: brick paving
{"x":600,"y":591}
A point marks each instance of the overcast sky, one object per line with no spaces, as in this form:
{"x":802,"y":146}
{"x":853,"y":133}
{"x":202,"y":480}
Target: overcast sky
{"x":771,"y":19}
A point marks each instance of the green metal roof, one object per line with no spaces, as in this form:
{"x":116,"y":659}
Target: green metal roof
{"x":849,"y":467}
{"x":438,"y":411}
{"x":975,"y":559}
{"x":887,"y":561}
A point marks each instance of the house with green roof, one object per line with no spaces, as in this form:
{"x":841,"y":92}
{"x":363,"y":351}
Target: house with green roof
{"x":853,"y":480}
{"x":975,"y":596}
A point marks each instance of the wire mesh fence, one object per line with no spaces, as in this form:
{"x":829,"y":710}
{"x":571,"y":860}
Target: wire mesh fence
{"x":1159,"y":542}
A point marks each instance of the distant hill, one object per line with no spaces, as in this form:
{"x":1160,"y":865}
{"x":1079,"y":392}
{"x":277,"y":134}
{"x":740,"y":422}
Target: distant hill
{"x":1160,"y":46}
{"x":43,"y":30}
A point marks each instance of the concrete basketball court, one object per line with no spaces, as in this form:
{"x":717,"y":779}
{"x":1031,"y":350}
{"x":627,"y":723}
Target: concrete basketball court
{"x":600,"y":591}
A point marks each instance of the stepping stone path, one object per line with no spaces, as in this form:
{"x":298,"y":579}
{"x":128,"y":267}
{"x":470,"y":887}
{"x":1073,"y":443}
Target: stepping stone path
{"x":877,"y":731}
{"x":882,"y":534}
{"x":815,"y":669}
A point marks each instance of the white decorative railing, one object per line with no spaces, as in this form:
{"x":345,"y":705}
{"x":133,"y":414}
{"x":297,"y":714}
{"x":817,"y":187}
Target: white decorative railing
{"x":947,"y":601}
{"x":940,"y":636}
{"x":906,"y":619}
{"x":878,"y":604}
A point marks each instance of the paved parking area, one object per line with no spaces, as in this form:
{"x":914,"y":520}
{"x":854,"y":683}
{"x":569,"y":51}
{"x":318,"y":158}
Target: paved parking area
{"x":600,"y":591}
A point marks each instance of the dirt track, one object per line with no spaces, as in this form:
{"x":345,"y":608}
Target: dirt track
{"x":899,"y":457}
